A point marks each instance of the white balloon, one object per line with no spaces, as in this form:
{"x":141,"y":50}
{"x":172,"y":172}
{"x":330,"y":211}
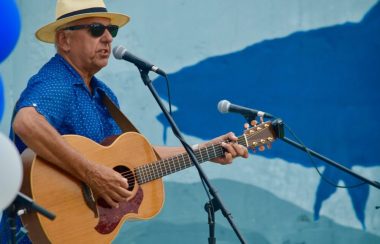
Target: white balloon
{"x":10,"y":171}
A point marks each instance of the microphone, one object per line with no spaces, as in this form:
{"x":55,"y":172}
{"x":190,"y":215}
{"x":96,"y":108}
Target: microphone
{"x":225,"y":106}
{"x":120,"y":52}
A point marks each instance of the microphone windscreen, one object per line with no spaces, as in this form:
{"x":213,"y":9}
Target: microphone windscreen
{"x":223,"y":106}
{"x":119,"y":51}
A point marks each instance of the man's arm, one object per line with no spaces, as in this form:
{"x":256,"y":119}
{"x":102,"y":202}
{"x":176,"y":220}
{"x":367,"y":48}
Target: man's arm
{"x":232,"y":149}
{"x":45,"y":141}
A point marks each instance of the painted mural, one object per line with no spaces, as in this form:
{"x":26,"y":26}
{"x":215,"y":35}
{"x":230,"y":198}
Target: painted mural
{"x":314,"y":64}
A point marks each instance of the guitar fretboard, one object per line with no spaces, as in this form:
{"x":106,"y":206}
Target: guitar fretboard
{"x":159,"y":169}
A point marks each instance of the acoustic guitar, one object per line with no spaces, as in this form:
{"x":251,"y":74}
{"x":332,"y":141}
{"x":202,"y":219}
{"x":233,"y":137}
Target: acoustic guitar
{"x":82,"y":219}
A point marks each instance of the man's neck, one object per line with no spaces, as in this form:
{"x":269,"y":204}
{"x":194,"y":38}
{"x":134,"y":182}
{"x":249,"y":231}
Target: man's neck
{"x":85,"y":74}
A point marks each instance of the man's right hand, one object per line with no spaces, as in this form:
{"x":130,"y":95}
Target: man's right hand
{"x":45,"y":141}
{"x":108,"y":184}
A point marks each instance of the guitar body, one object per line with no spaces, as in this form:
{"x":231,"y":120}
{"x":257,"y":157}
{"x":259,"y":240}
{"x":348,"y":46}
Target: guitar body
{"x":63,"y":195}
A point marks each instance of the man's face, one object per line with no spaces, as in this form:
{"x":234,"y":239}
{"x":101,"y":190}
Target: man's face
{"x":89,"y":53}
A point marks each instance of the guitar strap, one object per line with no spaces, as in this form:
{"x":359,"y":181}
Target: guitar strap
{"x":121,"y":120}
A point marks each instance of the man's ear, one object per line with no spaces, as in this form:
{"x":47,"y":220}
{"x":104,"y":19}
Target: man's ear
{"x":63,"y":41}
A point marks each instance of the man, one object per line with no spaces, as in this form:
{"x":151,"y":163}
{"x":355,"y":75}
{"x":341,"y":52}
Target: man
{"x":64,"y":98}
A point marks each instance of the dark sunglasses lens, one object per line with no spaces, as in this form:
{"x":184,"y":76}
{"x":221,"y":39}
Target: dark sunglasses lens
{"x":113,"y":30}
{"x":97,"y":30}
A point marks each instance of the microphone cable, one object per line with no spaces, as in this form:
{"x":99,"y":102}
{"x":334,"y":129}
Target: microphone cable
{"x":168,"y":94}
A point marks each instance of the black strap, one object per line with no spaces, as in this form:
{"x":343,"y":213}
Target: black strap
{"x":121,"y":120}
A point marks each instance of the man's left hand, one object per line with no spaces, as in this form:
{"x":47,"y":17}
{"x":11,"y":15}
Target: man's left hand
{"x":233,"y":149}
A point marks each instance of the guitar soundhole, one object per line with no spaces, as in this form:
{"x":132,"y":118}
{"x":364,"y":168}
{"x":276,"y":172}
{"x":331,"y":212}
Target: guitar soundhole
{"x":128,"y":174}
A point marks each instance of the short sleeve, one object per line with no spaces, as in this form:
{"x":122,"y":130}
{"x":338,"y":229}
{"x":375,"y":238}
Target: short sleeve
{"x":50,"y":99}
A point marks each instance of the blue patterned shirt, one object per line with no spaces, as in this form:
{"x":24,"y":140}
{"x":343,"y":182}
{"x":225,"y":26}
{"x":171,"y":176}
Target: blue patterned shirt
{"x":59,"y":93}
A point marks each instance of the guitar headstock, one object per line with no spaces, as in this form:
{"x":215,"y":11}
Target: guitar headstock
{"x":259,"y":135}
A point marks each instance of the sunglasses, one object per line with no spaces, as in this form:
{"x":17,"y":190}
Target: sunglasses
{"x":96,"y":30}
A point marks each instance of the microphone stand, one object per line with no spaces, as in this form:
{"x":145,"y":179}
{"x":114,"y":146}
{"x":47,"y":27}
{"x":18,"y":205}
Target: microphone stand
{"x":25,"y":204}
{"x":278,"y":125}
{"x":189,"y":150}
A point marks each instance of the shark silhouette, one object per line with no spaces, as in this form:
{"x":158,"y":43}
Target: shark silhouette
{"x":324,"y":83}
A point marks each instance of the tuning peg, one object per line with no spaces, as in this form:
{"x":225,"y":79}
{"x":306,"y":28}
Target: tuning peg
{"x":246,"y":126}
{"x":261,"y":119}
{"x":261,"y":148}
{"x":253,"y":122}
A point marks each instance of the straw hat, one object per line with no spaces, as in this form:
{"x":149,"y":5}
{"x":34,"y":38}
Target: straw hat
{"x":71,"y":10}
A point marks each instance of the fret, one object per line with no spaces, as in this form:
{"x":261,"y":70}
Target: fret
{"x":199,"y":151}
{"x":180,"y":162}
{"x":184,"y":160}
{"x":168,"y":166}
{"x":155,"y":166}
{"x":213,"y":147}
{"x":165,"y":167}
{"x":175,"y":165}
{"x":172,"y":165}
{"x":148,"y":174}
{"x":246,"y":140}
{"x":137,"y":175}
{"x":142,"y":174}
{"x":161,"y":170}
{"x":208,"y":156}
{"x":188,"y":160}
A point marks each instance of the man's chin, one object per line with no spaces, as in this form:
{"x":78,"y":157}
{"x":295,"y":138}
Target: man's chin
{"x":103,"y":63}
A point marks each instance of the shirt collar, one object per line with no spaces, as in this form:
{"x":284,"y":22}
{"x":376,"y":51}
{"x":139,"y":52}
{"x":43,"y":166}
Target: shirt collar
{"x":95,"y":82}
{"x":77,"y":78}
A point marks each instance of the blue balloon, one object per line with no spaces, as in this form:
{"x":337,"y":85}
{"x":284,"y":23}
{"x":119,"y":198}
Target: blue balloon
{"x":1,"y":99}
{"x":10,"y":29}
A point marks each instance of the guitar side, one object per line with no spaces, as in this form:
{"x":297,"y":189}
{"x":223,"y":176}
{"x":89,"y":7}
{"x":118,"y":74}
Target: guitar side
{"x":62,"y":194}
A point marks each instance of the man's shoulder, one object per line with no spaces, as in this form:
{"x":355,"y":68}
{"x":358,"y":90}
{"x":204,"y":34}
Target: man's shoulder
{"x":54,"y":72}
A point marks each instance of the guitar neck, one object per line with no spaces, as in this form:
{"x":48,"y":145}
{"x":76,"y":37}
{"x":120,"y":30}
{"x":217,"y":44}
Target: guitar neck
{"x":159,"y":169}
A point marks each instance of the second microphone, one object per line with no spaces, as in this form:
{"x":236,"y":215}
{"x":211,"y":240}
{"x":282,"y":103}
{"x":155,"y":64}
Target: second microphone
{"x":120,"y":52}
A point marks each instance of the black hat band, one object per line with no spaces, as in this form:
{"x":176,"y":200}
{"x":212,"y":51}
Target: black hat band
{"x":84,"y":11}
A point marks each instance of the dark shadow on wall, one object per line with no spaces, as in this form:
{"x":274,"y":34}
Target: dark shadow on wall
{"x":324,"y":83}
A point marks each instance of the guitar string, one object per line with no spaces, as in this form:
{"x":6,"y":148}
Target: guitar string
{"x":129,"y":175}
{"x":151,"y":172}
{"x":174,"y":163}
